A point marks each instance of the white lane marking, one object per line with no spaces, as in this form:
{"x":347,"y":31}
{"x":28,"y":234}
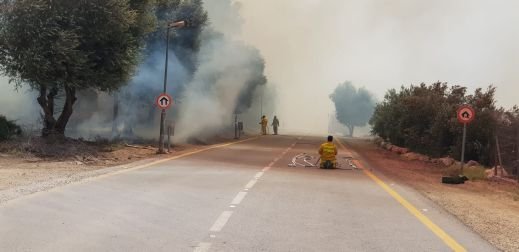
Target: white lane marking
{"x":250,"y":184}
{"x":221,"y":221}
{"x":232,"y":206}
{"x":212,"y":236}
{"x":272,"y":163}
{"x":265,"y":169}
{"x":203,"y":247}
{"x":239,"y":197}
{"x":259,"y":175}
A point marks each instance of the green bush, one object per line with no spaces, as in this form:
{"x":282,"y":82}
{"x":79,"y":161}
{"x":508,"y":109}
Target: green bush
{"x":423,"y":119}
{"x":8,"y":129}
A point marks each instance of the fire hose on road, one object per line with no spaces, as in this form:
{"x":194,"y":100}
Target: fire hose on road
{"x":305,"y":160}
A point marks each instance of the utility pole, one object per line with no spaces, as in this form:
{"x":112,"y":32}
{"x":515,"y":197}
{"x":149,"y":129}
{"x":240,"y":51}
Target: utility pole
{"x":236,"y":129}
{"x":175,"y":25}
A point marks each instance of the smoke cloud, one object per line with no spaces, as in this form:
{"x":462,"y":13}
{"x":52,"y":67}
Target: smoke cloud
{"x":18,"y":104}
{"x":311,"y":46}
{"x":209,"y":85}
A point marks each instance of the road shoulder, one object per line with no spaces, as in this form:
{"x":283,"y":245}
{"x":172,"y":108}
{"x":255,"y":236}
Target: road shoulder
{"x":486,"y":207}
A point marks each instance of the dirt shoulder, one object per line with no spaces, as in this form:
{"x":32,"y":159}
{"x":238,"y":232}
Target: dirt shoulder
{"x":38,"y":165}
{"x":489,"y":207}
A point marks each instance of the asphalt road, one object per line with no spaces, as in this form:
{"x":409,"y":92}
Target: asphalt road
{"x":240,"y":197}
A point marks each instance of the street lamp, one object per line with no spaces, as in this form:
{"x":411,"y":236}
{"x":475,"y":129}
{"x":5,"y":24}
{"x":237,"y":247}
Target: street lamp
{"x":172,"y":25}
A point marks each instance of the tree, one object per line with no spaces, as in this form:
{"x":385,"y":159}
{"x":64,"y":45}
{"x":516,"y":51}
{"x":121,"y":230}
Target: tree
{"x":354,"y":107}
{"x":59,"y":47}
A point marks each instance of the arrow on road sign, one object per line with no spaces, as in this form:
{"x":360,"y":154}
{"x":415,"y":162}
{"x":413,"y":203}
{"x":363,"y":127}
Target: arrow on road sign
{"x":164,"y":101}
{"x":466,"y":114}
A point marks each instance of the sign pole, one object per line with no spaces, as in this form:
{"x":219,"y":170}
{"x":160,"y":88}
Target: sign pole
{"x":466,"y":115}
{"x":463,"y":146}
{"x":163,"y":112}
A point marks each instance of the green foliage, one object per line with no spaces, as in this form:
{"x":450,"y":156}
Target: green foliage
{"x":8,"y":129}
{"x":83,"y":44}
{"x":354,"y":106}
{"x":423,"y":118}
{"x":508,"y":135}
{"x":60,"y":46}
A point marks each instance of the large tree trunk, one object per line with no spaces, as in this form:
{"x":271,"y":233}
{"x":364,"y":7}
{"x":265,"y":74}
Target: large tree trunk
{"x":351,"y":128}
{"x":51,"y":126}
{"x":46,"y":101}
{"x":68,"y":108}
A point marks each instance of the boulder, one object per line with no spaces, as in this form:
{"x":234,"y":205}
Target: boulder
{"x":399,"y":150}
{"x":447,"y":161}
{"x":415,"y":156}
{"x":472,"y":163}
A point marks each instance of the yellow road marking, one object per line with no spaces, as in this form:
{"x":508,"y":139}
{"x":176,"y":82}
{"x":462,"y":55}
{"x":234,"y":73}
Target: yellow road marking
{"x":174,"y":158}
{"x":109,"y":174}
{"x":447,"y":239}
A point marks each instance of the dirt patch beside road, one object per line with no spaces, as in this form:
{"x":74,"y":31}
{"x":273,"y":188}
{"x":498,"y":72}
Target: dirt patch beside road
{"x":491,"y":208}
{"x":29,"y":167}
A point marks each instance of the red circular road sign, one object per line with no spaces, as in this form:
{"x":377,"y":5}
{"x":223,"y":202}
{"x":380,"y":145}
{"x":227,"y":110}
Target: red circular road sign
{"x":164,"y":101}
{"x":466,"y":114}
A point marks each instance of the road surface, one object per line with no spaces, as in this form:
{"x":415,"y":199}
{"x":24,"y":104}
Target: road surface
{"x":238,"y":197}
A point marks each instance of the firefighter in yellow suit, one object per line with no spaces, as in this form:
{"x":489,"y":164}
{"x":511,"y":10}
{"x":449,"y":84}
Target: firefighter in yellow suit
{"x":328,"y":152}
{"x":264,"y":123}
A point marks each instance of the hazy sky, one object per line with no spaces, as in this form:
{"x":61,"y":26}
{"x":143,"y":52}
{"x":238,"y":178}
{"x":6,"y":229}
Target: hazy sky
{"x":311,"y":46}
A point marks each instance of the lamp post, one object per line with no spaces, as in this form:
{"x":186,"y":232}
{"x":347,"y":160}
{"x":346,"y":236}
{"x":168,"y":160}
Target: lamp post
{"x":172,"y":25}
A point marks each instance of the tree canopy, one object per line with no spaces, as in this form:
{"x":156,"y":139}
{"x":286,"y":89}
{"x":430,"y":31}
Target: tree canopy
{"x":354,"y":106}
{"x":61,"y":46}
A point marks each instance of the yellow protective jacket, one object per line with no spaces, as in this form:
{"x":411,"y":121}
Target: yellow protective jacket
{"x":328,"y":151}
{"x":264,"y":122}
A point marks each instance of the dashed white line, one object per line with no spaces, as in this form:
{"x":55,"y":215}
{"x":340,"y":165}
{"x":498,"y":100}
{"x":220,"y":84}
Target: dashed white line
{"x":203,"y":247}
{"x":239,"y":197}
{"x":221,"y":221}
{"x":226,"y":215}
{"x":250,"y":184}
{"x":259,"y":175}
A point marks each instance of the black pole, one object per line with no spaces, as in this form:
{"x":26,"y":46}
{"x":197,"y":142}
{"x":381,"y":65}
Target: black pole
{"x":163,"y":113}
{"x":236,"y":129}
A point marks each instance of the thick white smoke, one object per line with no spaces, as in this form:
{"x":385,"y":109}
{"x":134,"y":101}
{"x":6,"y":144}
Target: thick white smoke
{"x":210,"y":100}
{"x":226,"y":68}
{"x":311,"y":46}
{"x":18,"y":104}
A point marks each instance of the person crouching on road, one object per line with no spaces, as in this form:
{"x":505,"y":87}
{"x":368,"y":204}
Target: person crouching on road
{"x":328,"y":152}
{"x":264,"y":124}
